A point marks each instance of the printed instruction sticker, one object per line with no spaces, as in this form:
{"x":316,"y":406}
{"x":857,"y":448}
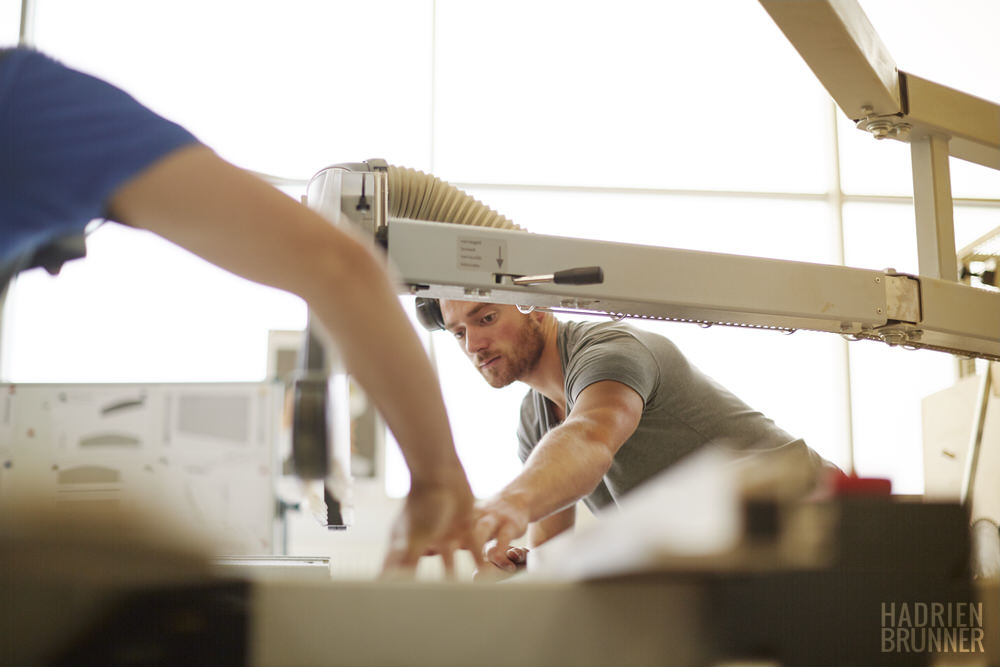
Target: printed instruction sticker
{"x":482,"y":255}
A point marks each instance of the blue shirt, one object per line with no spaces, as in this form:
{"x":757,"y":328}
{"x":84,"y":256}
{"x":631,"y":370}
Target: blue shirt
{"x":68,"y":141}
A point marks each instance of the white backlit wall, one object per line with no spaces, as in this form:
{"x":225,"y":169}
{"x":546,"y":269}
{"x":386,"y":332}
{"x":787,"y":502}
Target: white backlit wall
{"x":685,"y":124}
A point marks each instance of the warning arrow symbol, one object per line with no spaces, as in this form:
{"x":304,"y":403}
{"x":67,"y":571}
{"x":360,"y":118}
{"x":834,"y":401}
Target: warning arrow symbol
{"x":499,"y":257}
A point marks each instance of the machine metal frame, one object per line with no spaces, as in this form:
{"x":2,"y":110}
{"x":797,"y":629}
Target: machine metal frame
{"x":931,"y":310}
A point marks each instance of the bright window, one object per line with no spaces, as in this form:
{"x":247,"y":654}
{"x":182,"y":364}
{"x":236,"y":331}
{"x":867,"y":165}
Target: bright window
{"x":10,"y":22}
{"x":279,"y":87}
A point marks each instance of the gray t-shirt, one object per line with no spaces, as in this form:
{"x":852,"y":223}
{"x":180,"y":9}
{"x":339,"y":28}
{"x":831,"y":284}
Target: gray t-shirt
{"x":683,"y":408}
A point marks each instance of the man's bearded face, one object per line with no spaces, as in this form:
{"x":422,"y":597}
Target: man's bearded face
{"x":510,"y":359}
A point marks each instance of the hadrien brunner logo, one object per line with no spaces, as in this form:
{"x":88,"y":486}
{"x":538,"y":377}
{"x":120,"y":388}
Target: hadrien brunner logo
{"x":953,"y":627}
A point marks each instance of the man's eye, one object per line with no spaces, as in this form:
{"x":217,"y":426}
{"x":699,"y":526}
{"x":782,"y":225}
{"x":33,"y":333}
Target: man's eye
{"x":459,"y":335}
{"x":489,"y":319}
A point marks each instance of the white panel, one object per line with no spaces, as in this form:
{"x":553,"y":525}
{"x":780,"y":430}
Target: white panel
{"x":680,"y":95}
{"x":948,"y":420}
{"x":121,"y":445}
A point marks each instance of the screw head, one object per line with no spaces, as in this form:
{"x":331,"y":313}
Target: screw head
{"x":893,"y":337}
{"x":901,"y":132}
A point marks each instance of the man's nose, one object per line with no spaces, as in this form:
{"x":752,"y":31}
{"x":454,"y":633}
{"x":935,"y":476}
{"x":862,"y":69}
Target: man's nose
{"x":475,"y":342}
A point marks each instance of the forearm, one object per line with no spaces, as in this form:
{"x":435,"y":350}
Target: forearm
{"x":400,"y":380}
{"x":384,"y":354}
{"x":565,"y":466}
{"x":236,"y":221}
{"x":544,"y":530}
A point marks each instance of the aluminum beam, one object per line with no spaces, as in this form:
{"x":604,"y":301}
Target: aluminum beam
{"x":461,"y":262}
{"x":845,"y":53}
{"x":934,"y":208}
{"x":474,"y":263}
{"x":843,"y":50}
{"x":26,"y":32}
{"x":971,"y":124}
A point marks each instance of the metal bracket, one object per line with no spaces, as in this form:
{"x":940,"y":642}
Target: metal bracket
{"x":902,"y":297}
{"x":884,"y":126}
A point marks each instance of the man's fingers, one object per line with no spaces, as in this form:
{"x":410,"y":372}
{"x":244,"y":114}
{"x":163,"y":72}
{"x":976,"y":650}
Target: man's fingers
{"x":448,"y":557}
{"x":518,"y":555}
{"x":406,"y":558}
{"x":476,"y":549}
{"x":484,"y":529}
{"x":498,"y":557}
{"x":398,"y":565}
{"x":489,"y":573}
{"x":504,"y":535}
{"x":402,"y":555}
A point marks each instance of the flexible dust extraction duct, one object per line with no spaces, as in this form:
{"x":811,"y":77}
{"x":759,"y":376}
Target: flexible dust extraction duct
{"x":415,"y":195}
{"x":366,"y":194}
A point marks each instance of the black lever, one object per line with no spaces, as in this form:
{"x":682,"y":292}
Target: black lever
{"x":583,"y":275}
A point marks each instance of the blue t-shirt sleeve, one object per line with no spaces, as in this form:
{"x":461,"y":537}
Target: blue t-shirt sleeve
{"x":68,"y":141}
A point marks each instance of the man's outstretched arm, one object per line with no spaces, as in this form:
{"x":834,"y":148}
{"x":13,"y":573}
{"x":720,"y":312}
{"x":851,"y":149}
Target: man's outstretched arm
{"x":566,"y":465}
{"x":236,"y":221}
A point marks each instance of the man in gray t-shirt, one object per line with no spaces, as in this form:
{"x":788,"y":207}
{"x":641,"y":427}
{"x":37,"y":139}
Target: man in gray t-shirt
{"x":609,"y":407}
{"x":683,"y":408}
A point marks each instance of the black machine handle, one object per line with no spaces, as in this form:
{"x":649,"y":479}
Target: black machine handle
{"x":584,"y":275}
{"x":581,"y":275}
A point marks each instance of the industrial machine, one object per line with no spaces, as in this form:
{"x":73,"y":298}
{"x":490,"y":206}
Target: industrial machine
{"x":499,"y":262}
{"x":207,"y":453}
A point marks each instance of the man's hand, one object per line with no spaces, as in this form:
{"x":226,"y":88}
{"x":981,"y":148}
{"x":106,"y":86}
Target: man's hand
{"x":493,"y":571}
{"x":437,"y":519}
{"x":503,"y":518}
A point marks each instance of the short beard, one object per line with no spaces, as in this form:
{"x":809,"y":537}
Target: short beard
{"x":526,"y":351}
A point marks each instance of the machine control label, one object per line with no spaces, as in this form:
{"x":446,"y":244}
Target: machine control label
{"x":482,"y":255}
